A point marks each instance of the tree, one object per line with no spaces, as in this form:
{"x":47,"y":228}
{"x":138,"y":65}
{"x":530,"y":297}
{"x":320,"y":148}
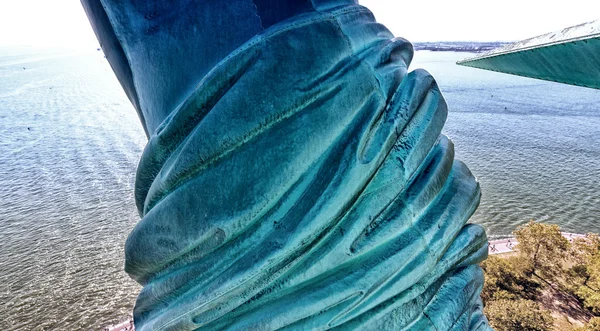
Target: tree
{"x":518,"y":315}
{"x":585,"y":258}
{"x":584,"y":249}
{"x":506,"y":279}
{"x":592,"y":325}
{"x":585,"y":271}
{"x":543,"y":247}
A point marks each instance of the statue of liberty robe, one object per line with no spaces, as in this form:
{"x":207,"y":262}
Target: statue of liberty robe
{"x":295,"y":177}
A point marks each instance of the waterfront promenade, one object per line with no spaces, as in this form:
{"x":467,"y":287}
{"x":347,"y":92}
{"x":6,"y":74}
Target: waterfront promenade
{"x":123,"y":326}
{"x":507,"y":245}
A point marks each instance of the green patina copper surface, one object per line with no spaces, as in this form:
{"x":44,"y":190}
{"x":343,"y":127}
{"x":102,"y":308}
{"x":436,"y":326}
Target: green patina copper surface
{"x":295,"y":176}
{"x":570,"y":56}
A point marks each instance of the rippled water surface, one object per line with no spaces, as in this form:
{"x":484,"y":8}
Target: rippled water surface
{"x":533,"y":145}
{"x":69,"y":146}
{"x":70,"y":142}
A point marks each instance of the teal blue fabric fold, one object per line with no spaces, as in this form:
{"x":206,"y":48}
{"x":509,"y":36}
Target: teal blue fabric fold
{"x":304,"y":184}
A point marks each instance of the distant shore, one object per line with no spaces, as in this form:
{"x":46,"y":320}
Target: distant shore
{"x":458,"y":46}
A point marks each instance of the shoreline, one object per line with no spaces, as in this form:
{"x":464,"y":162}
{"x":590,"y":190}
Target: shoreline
{"x":507,"y":245}
{"x":123,"y":326}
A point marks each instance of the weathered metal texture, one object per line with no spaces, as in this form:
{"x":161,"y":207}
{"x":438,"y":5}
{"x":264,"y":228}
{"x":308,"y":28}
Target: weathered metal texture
{"x":570,"y":56}
{"x":295,"y":176}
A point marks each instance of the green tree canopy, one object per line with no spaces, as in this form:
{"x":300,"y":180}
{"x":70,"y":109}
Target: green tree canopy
{"x":585,"y":272}
{"x":505,"y":278}
{"x":542,"y":246}
{"x":592,"y":325}
{"x":518,"y":315}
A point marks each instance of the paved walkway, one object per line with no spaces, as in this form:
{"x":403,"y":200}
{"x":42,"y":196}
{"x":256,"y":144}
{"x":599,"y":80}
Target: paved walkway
{"x":508,"y":245}
{"x":124,"y":326}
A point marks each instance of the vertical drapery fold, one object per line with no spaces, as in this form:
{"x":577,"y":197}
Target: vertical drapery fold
{"x":301,"y":182}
